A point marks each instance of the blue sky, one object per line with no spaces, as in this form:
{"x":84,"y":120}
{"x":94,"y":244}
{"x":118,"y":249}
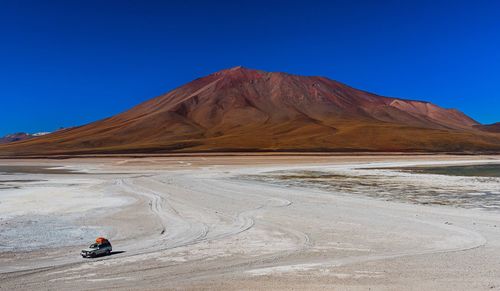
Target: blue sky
{"x":67,"y":63}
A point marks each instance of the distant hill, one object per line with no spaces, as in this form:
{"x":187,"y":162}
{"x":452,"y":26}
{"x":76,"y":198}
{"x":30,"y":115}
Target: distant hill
{"x":495,"y":127}
{"x":241,"y":109}
{"x":20,"y":136}
{"x":15,"y":137}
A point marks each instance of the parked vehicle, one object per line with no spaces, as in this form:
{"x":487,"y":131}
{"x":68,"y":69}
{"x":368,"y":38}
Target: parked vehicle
{"x":101,"y":247}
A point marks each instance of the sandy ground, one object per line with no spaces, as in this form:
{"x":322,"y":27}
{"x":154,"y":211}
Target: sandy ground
{"x":190,"y":223}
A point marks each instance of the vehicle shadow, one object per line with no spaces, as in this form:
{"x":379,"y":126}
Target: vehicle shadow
{"x":116,"y":253}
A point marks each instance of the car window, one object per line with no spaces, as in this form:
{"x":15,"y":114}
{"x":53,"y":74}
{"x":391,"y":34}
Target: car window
{"x":93,"y":246}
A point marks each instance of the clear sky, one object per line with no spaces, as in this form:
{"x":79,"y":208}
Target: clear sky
{"x":67,"y":63}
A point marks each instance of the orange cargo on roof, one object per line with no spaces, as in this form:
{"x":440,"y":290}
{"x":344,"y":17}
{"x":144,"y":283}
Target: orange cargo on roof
{"x":100,"y":240}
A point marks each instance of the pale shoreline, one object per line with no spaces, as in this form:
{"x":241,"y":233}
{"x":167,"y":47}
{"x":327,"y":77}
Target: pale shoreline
{"x":183,"y":224}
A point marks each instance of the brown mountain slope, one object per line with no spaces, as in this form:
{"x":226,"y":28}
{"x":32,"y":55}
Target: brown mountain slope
{"x":243,"y":109}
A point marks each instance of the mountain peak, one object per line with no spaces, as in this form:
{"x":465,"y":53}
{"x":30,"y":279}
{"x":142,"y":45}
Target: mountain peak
{"x":239,"y":73}
{"x":237,"y":69}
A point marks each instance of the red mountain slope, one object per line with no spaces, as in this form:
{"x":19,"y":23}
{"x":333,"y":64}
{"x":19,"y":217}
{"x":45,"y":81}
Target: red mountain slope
{"x":243,"y":109}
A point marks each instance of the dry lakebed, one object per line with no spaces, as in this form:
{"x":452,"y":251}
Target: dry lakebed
{"x":395,"y":222}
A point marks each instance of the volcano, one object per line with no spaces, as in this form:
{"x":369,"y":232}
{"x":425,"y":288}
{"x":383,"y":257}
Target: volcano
{"x":242,"y":109}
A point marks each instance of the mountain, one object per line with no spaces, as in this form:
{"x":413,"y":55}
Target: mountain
{"x":495,"y":127}
{"x":241,"y":109}
{"x":15,"y":137}
{"x":20,"y":136}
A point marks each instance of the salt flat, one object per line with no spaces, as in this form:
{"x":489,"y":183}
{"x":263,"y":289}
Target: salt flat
{"x":200,"y":223}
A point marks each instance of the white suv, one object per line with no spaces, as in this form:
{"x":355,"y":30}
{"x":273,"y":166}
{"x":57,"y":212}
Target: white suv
{"x":96,"y":249}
